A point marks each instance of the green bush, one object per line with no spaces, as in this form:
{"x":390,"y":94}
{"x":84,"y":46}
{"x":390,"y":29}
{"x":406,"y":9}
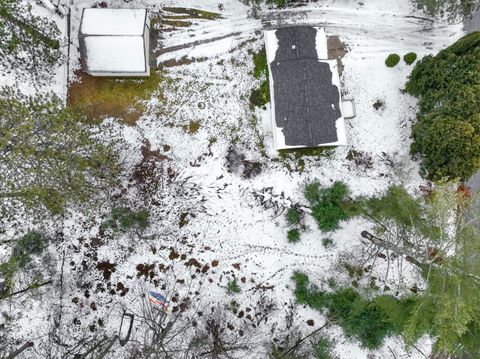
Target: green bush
{"x":329,"y":205}
{"x":293,"y":235}
{"x":392,"y":60}
{"x":323,"y":348}
{"x":410,"y":58}
{"x":396,"y":204}
{"x":123,"y":219}
{"x":294,"y":215}
{"x":447,"y":132}
{"x":233,"y":287}
{"x":369,"y":321}
{"x":327,"y":242}
{"x":31,"y":243}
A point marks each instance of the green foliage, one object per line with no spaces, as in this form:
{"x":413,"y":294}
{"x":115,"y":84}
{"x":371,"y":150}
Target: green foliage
{"x":396,"y":204}
{"x":294,"y":215}
{"x":450,"y":146}
{"x":366,"y":320}
{"x":293,"y":235}
{"x":193,"y":13}
{"x":31,"y":243}
{"x":453,"y":8}
{"x":234,"y":306}
{"x":233,"y":287}
{"x":123,"y":219}
{"x":279,"y":3}
{"x":323,"y":348}
{"x":392,"y":60}
{"x":449,"y":307}
{"x":260,"y":96}
{"x":410,"y":58}
{"x":327,"y":242}
{"x":260,"y":66}
{"x":329,"y":205}
{"x":49,"y":155}
{"x":29,"y":44}
{"x":447,"y":133}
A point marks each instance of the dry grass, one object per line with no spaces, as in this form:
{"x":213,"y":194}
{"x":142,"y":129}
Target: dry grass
{"x":122,"y":98}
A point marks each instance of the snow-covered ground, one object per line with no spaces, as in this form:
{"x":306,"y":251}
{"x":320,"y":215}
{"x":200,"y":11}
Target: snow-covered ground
{"x":208,"y":223}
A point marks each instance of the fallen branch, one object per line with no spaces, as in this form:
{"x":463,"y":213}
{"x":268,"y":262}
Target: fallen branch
{"x":33,"y":286}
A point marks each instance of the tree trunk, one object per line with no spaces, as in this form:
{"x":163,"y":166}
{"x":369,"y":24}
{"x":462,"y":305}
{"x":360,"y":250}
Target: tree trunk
{"x":32,"y":286}
{"x":20,"y":350}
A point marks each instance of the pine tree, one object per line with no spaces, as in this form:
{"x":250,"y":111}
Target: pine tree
{"x":29,"y":44}
{"x":49,"y":155}
{"x":437,"y":237}
{"x":447,"y":133}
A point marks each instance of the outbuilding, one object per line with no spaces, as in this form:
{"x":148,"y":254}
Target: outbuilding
{"x":115,"y":42}
{"x":304,"y":89}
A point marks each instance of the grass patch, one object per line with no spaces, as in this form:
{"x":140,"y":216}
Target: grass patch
{"x":122,"y":98}
{"x":192,"y":127}
{"x":193,"y":13}
{"x":176,"y":23}
{"x":123,"y":219}
{"x":297,"y":153}
{"x":260,"y":96}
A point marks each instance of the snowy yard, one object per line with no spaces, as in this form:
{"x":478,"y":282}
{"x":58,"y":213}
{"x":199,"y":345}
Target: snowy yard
{"x":211,"y":220}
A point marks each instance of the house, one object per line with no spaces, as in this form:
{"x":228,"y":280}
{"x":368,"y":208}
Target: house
{"x":304,"y":89}
{"x":115,"y":42}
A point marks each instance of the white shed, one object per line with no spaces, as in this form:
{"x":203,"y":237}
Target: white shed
{"x":115,"y":42}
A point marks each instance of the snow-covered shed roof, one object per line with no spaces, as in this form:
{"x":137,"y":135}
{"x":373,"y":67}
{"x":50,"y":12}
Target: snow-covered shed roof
{"x":113,"y":22}
{"x":112,"y":41}
{"x":304,"y":89}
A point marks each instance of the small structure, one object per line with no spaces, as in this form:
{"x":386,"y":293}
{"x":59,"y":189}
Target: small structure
{"x":304,"y":89}
{"x":115,"y":42}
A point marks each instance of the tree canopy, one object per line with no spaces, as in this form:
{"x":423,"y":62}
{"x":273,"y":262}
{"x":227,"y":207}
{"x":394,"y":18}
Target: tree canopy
{"x":447,"y":131}
{"x":437,"y":236}
{"x":49,"y":155}
{"x":29,"y":44}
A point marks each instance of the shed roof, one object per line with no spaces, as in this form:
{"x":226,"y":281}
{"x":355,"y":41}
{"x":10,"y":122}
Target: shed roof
{"x":126,"y":22}
{"x":115,"y":54}
{"x":304,"y":88}
{"x":112,"y":41}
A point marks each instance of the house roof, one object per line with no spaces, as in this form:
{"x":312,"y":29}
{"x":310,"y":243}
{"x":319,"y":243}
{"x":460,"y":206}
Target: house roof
{"x":304,"y":88}
{"x":111,"y":40}
{"x":116,"y":22}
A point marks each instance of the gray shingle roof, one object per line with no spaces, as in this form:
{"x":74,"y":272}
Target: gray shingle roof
{"x":307,"y":104}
